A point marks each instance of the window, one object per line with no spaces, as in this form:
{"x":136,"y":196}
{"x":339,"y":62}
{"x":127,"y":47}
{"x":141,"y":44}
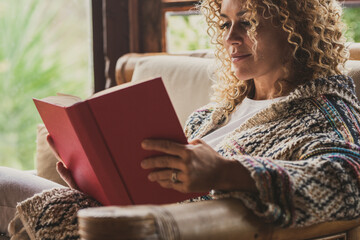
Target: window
{"x":186,"y":31}
{"x":351,"y":16}
{"x":44,"y":49}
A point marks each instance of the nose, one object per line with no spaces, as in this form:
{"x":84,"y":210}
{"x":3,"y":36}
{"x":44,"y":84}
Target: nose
{"x":234,"y":36}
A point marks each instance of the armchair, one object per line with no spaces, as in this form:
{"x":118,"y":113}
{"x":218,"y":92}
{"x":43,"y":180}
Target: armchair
{"x":187,"y":76}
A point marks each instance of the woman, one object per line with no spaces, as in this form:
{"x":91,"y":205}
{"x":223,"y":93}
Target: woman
{"x":283,"y":131}
{"x":285,"y":123}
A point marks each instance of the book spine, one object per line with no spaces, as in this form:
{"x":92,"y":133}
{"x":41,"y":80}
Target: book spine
{"x":99,"y":157}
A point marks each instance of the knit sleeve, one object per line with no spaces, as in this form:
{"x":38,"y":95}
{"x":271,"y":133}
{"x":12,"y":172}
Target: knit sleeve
{"x":318,"y":179}
{"x":321,"y":188}
{"x":202,"y":120}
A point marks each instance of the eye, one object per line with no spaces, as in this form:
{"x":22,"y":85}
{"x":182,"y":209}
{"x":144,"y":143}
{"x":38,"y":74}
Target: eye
{"x":225,"y":25}
{"x":245,"y":23}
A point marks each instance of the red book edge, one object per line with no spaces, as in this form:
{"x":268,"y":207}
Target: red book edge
{"x":91,"y":139}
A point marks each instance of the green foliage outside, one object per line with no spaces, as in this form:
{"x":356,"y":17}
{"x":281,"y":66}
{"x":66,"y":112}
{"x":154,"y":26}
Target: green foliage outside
{"x":351,"y":17}
{"x":187,"y":33}
{"x":44,"y":49}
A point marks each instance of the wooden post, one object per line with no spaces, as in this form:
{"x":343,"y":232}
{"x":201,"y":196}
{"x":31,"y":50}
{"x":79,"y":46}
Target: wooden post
{"x":98,"y":45}
{"x":116,"y":35}
{"x":150,"y":27}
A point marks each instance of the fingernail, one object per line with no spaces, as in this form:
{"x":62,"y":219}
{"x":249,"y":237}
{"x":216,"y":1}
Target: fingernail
{"x":151,"y":177}
{"x":144,"y":143}
{"x":143,"y":164}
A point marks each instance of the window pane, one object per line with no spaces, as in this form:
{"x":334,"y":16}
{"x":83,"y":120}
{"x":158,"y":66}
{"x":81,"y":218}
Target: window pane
{"x":44,"y":49}
{"x":186,"y":31}
{"x":351,"y":17}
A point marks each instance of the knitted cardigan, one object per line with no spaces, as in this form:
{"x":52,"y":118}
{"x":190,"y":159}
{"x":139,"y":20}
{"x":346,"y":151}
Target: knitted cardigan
{"x":303,"y":153}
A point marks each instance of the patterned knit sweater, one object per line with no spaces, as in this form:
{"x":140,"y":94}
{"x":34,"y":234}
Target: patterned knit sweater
{"x":303,"y":153}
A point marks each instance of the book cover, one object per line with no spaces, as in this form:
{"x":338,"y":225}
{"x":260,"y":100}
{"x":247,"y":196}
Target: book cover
{"x":99,"y":140}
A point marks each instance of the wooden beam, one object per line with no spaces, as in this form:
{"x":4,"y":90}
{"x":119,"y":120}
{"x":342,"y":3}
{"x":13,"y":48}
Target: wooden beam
{"x":179,"y":4}
{"x":150,"y":26}
{"x":98,"y":46}
{"x":134,"y":25}
{"x":176,"y":1}
{"x":116,"y":35}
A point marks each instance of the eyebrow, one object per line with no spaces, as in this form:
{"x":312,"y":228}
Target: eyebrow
{"x":239,"y":14}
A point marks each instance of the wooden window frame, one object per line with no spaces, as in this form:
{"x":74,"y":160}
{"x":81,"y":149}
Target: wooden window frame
{"x":123,"y":26}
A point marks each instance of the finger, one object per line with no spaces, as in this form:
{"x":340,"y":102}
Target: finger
{"x":52,"y":146}
{"x":166,"y":184}
{"x":163,"y":162}
{"x":197,"y":142}
{"x":165,"y":146}
{"x":176,"y":186}
{"x":65,"y":174}
{"x":163,"y":175}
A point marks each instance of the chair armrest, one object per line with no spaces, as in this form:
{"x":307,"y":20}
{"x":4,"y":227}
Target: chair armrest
{"x":218,"y":219}
{"x":125,"y":65}
{"x":354,"y":50}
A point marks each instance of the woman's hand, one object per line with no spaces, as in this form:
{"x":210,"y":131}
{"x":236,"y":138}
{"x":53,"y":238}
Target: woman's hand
{"x":64,"y":173}
{"x":196,"y":167}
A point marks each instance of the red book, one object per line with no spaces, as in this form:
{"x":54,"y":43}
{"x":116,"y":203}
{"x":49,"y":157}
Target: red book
{"x":99,"y":140}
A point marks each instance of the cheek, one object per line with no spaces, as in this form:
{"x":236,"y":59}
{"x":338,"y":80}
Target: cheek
{"x":273,"y":44}
{"x":271,"y":54}
{"x":244,"y":71}
{"x":227,"y":48}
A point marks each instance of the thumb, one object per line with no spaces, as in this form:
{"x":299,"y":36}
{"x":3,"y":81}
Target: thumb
{"x":52,"y":146}
{"x":197,"y":142}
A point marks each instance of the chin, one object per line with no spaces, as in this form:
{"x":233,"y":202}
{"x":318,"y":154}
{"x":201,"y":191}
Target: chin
{"x":243,"y":76}
{"x":243,"y":72}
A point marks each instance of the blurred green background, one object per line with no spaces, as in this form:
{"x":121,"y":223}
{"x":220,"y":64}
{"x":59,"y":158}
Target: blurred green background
{"x":45,"y":48}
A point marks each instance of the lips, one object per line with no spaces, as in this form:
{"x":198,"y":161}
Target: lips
{"x":239,"y":57}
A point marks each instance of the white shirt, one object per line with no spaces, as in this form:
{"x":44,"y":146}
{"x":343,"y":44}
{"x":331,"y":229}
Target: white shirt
{"x":243,"y":112}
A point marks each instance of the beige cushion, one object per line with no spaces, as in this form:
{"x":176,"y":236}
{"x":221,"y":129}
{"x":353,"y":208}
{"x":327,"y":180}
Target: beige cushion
{"x":45,"y":159}
{"x":187,"y":80}
{"x":16,"y":186}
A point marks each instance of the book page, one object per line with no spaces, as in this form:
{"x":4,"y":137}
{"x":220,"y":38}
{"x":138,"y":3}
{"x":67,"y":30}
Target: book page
{"x":64,"y":100}
{"x":112,"y":89}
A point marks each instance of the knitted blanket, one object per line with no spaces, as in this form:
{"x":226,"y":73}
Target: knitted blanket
{"x":52,"y":215}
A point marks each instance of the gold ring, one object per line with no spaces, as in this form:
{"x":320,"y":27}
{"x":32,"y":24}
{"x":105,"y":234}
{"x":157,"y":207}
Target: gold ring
{"x":174,"y":177}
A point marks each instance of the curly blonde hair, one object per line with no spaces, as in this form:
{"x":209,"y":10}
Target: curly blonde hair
{"x":314,"y":32}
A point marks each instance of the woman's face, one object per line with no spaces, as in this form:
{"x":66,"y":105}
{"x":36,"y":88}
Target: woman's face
{"x":266,"y":63}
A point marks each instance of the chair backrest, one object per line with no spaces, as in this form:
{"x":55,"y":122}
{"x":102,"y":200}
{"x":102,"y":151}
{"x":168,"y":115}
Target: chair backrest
{"x":188,"y":78}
